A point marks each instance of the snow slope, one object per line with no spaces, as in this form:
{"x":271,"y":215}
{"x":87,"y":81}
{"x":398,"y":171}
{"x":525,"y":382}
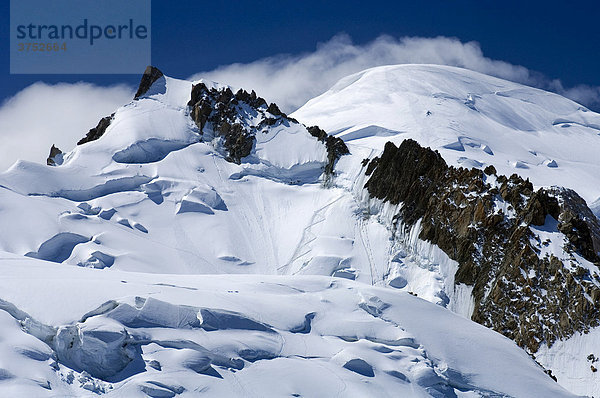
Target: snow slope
{"x":147,"y":192}
{"x":152,"y":195}
{"x":473,"y":120}
{"x":79,"y":332}
{"x":152,"y":204}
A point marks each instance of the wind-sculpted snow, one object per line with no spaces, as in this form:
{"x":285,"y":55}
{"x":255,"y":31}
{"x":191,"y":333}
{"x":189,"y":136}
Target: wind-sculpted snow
{"x":101,"y":348}
{"x":58,"y":248}
{"x":242,"y":336}
{"x":462,"y":113}
{"x":202,"y":200}
{"x":98,"y":260}
{"x":149,"y":151}
{"x":111,"y":186}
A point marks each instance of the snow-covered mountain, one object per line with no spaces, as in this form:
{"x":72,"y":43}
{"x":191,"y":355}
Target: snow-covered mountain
{"x":118,"y":256}
{"x":476,"y":121}
{"x":473,"y":120}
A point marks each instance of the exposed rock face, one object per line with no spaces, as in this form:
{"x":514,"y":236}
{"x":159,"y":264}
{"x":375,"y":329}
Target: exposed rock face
{"x":494,"y":227}
{"x":336,"y":147}
{"x":97,"y":131}
{"x":55,"y":158}
{"x":224,"y":113}
{"x":151,"y":74}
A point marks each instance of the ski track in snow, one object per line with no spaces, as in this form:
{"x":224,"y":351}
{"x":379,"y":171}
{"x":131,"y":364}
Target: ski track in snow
{"x":364,"y":238}
{"x":307,"y":238}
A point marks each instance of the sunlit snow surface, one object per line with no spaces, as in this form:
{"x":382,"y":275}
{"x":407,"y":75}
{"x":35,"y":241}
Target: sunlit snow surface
{"x":131,"y":220}
{"x":473,"y":120}
{"x":242,"y":336}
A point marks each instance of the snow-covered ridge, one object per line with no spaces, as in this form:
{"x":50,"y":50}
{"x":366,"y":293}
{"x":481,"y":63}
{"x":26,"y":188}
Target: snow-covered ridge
{"x":472,"y":119}
{"x":149,"y":163}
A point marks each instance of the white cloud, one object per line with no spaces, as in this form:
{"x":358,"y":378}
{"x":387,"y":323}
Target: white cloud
{"x":583,"y":94}
{"x":291,"y":80}
{"x":41,"y":115}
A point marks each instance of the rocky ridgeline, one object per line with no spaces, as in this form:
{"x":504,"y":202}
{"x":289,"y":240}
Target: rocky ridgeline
{"x":237,"y":118}
{"x":55,"y":157}
{"x":335,"y":147}
{"x":520,"y":289}
{"x":151,"y":75}
{"x":228,"y":115}
{"x":98,"y":131}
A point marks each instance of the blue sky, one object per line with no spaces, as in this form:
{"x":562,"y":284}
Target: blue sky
{"x":553,"y":37}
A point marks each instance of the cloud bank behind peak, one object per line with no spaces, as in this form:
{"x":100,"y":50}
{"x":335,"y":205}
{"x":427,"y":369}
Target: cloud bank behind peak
{"x":42,"y":114}
{"x":291,"y":80}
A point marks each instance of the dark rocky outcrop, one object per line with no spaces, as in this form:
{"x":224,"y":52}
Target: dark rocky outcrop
{"x":336,"y":147}
{"x":224,"y":113}
{"x":55,"y":158}
{"x":520,"y":289}
{"x":151,"y":75}
{"x":97,"y":131}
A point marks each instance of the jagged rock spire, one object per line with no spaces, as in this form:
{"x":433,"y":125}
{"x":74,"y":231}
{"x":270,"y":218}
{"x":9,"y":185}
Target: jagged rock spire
{"x":56,"y":156}
{"x":97,"y":131}
{"x":151,"y":74}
